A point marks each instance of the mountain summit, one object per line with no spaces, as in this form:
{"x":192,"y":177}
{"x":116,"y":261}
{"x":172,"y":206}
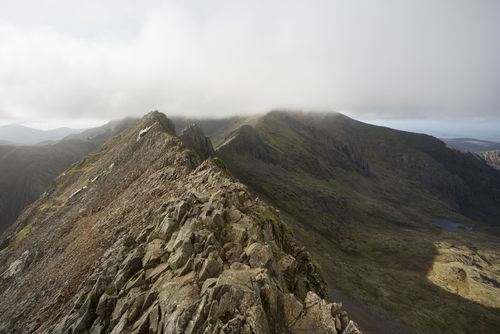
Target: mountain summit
{"x":144,"y":236}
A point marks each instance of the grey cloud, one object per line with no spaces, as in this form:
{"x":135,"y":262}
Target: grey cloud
{"x":383,"y":59}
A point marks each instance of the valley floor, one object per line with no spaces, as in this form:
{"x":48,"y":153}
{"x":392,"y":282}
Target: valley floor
{"x":411,"y":274}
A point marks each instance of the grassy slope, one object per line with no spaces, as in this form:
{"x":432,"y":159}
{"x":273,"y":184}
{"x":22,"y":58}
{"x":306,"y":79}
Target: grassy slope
{"x":359,"y":213}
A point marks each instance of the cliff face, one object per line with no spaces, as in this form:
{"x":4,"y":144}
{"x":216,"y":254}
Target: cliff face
{"x":194,"y":138}
{"x":492,"y":158}
{"x":360,"y":157}
{"x":144,"y":237}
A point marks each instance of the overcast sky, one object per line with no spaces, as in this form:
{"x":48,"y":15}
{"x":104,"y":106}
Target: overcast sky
{"x":86,"y":61}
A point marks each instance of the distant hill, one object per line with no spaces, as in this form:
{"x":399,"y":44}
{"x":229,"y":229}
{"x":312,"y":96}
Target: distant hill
{"x":471,"y":145}
{"x":101,"y":133}
{"x":20,"y":134}
{"x":27,"y":170}
{"x":6,"y":142}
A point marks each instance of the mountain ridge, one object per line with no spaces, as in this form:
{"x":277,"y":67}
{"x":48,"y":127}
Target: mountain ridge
{"x":371,"y":194}
{"x":471,"y":144}
{"x":359,"y":197}
{"x":143,"y":236}
{"x":354,"y":141}
{"x":27,"y":170}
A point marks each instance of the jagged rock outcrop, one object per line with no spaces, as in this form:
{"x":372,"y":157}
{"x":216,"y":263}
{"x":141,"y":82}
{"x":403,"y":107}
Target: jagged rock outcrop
{"x":492,"y":158}
{"x":143,"y":236}
{"x":194,"y":138}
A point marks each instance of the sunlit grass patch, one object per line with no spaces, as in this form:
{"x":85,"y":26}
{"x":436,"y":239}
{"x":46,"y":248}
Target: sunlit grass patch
{"x":24,"y":232}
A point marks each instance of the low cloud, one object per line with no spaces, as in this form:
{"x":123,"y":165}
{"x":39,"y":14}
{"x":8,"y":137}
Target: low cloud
{"x":384,"y":59}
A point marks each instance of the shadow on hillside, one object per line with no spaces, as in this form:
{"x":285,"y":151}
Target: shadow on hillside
{"x":402,"y":297}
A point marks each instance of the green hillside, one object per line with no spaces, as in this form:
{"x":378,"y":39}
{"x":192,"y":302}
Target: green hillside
{"x":363,"y":198}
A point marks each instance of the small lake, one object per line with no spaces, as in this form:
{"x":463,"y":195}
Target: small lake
{"x":448,"y":225}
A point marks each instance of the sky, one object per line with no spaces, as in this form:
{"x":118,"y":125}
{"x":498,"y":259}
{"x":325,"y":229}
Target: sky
{"x":418,"y":64}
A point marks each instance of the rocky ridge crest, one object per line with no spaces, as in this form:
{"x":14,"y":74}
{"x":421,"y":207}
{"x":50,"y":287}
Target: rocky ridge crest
{"x":143,"y":236}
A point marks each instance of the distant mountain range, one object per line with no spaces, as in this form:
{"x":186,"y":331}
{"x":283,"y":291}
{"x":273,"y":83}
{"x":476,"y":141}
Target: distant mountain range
{"x":20,"y":134}
{"x":27,"y":170}
{"x":6,"y":142}
{"x":471,"y":144}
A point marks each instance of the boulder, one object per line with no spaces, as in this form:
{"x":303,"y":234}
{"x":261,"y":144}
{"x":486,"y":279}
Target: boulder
{"x":153,"y":252}
{"x":130,"y":265}
{"x":212,"y":267}
{"x":181,"y":255}
{"x":167,"y":227}
{"x":259,"y":255}
{"x":352,"y":328}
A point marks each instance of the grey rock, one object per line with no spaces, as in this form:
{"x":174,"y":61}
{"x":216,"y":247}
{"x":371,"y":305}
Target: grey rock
{"x":180,"y":211}
{"x":18,"y":265}
{"x":338,"y":324}
{"x":259,"y":255}
{"x":136,"y":281}
{"x":153,"y":252}
{"x":232,"y":251}
{"x":194,"y":138}
{"x":154,"y":320}
{"x":141,"y":326}
{"x":97,"y":328}
{"x":233,"y":326}
{"x":344,"y":319}
{"x":131,"y":264}
{"x":208,"y":283}
{"x":105,"y":306}
{"x":212,"y":267}
{"x":181,"y":255}
{"x":352,"y":328}
{"x":167,"y":227}
{"x":153,"y":274}
{"x":120,"y":326}
{"x":151,"y":296}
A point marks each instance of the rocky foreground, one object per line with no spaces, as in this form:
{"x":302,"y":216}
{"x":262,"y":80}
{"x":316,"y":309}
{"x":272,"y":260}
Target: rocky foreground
{"x":144,"y":236}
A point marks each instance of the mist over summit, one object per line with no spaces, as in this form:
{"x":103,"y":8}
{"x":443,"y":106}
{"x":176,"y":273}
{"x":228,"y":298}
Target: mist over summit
{"x":322,"y":166}
{"x":417,"y":59}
